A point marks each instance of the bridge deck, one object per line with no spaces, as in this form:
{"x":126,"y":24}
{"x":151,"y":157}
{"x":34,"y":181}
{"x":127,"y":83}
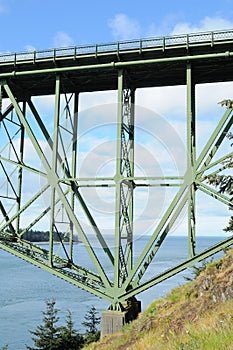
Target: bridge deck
{"x":94,"y":67}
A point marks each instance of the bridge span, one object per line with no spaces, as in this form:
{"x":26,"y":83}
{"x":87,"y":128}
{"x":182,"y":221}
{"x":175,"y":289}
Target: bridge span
{"x":40,"y":178}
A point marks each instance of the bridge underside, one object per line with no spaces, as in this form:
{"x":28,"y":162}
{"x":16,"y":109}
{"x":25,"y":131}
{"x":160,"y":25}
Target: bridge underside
{"x":50,"y":176}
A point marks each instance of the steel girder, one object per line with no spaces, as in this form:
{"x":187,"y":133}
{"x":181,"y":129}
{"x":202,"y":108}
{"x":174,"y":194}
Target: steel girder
{"x":62,"y":186}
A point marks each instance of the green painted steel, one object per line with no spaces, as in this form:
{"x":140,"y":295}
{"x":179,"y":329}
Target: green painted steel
{"x":191,"y":158}
{"x":61,"y":196}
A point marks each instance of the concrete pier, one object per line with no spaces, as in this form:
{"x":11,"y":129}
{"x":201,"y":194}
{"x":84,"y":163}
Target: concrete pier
{"x":113,"y":321}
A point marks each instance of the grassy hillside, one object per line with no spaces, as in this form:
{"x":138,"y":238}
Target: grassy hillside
{"x":196,"y":316}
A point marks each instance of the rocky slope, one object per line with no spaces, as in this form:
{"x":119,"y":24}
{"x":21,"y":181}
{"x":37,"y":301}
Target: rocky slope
{"x":203,"y":307}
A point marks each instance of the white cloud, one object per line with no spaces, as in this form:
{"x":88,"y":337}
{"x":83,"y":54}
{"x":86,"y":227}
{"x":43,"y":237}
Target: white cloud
{"x":30,"y":48}
{"x":124,"y":27}
{"x":163,"y":100}
{"x":89,"y":100}
{"x":3,"y":8}
{"x":209,"y":95}
{"x":206,"y":24}
{"x":62,"y":39}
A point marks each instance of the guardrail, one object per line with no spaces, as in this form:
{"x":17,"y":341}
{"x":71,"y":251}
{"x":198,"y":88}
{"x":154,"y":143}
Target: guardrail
{"x":121,"y":46}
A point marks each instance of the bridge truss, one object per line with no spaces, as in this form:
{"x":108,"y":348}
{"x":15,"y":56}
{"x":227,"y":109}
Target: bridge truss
{"x":31,"y":153}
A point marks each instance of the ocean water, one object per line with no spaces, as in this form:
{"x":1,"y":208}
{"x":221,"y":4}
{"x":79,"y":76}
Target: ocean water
{"x":24,"y":289}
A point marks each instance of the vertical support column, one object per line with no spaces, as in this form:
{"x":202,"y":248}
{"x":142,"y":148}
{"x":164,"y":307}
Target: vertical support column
{"x":191,"y":160}
{"x":131,"y":120}
{"x":118,"y":182}
{"x":124,"y":183}
{"x":54,"y":165}
{"x":1,"y":89}
{"x":74,"y":166}
{"x":20,"y":172}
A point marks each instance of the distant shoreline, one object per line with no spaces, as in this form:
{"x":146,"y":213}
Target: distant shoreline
{"x":57,"y":242}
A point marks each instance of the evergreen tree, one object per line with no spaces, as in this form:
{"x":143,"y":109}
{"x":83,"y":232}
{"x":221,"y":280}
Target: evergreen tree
{"x":69,"y":338}
{"x":46,"y":334}
{"x":229,"y":228}
{"x":91,"y":323}
{"x":225,"y":184}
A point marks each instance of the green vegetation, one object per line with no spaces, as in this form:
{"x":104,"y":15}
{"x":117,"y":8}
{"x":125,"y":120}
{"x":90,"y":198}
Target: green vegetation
{"x":47,"y":334}
{"x":196,"y":316}
{"x":225,"y":183}
{"x":198,"y":269}
{"x":50,"y":336}
{"x":70,"y":338}
{"x":91,"y":323}
{"x":43,"y":236}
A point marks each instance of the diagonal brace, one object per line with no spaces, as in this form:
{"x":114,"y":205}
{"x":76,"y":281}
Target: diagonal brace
{"x":54,"y":182}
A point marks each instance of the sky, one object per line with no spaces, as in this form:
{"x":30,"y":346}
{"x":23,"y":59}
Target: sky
{"x":41,"y":24}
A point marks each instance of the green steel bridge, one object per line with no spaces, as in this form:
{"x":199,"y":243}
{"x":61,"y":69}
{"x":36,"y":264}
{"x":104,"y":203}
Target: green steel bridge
{"x":59,"y":190}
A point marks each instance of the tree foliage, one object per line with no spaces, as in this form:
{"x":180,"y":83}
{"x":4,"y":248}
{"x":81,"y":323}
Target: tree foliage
{"x":43,"y":236}
{"x":225,"y":184}
{"x":69,"y":338}
{"x":91,"y":323}
{"x":196,"y":270}
{"x":47,"y":333}
{"x":50,"y":336}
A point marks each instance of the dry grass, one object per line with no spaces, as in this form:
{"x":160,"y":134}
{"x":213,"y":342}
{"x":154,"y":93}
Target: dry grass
{"x":187,"y":319}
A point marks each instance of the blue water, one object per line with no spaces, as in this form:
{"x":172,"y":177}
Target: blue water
{"x":24,"y":289}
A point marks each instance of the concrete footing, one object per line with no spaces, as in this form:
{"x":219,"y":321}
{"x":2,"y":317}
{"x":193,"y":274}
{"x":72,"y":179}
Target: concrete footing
{"x":113,"y":321}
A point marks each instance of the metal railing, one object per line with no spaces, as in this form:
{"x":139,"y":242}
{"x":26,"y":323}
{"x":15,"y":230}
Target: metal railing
{"x":141,"y":45}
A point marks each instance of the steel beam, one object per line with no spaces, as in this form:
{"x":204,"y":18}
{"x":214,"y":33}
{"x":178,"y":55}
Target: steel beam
{"x":177,"y":269}
{"x":127,"y":277}
{"x":70,"y":180}
{"x":148,"y":253}
{"x":54,"y":165}
{"x":191,"y":159}
{"x":123,"y":261}
{"x":74,"y":166}
{"x":53,"y":180}
{"x":20,"y":172}
{"x":214,"y":141}
{"x":116,"y":65}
